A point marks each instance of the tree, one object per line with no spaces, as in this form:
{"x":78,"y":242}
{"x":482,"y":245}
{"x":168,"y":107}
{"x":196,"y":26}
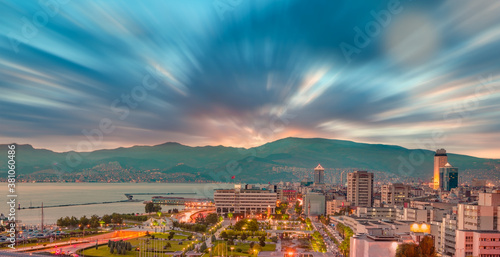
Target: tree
{"x":262,"y":243}
{"x":116,"y":218}
{"x":171,"y":235}
{"x":151,"y":207}
{"x":107,"y":219}
{"x":426,"y":246}
{"x":83,"y":222}
{"x":244,"y":236}
{"x":203,"y":247}
{"x":94,"y":221}
{"x":211,"y":218}
{"x":407,"y":250}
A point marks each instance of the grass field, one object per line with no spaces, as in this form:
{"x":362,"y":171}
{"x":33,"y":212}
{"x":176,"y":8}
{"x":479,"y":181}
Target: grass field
{"x":176,"y":236}
{"x":244,"y":249}
{"x":158,"y":244}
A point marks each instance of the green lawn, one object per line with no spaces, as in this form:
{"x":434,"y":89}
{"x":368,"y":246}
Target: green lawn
{"x":245,"y":248}
{"x":104,"y":249}
{"x":255,"y":239}
{"x":176,"y":236}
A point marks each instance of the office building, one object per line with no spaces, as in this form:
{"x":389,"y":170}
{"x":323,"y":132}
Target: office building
{"x":360,"y":188}
{"x":319,"y":175}
{"x":448,"y":177}
{"x":314,"y":204}
{"x":395,"y":194}
{"x":244,"y":201}
{"x":440,"y":159}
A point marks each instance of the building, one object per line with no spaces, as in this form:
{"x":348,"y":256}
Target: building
{"x":314,"y":204}
{"x":373,"y":245}
{"x":477,"y":243}
{"x":244,"y":201}
{"x":360,"y":188}
{"x":319,"y":175}
{"x":422,"y":214}
{"x":395,"y":194}
{"x":287,"y":195}
{"x":448,"y":177}
{"x":335,"y":206}
{"x":481,"y":216}
{"x":440,"y":159}
{"x":376,"y":213}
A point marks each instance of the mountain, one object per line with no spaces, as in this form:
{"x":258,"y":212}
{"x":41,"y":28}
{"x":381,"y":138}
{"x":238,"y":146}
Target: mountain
{"x":220,"y":163}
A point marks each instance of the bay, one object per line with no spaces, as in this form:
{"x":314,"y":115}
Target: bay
{"x":34,"y":194}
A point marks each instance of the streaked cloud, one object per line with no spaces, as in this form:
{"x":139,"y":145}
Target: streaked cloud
{"x":268,"y":70}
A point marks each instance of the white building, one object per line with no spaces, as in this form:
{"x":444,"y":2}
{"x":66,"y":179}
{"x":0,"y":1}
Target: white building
{"x":373,"y":246}
{"x":244,"y":201}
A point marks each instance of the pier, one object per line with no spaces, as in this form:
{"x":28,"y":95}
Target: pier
{"x":73,"y":204}
{"x":131,"y":195}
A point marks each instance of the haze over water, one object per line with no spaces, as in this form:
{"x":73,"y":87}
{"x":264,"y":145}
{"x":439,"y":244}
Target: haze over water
{"x":70,"y":193}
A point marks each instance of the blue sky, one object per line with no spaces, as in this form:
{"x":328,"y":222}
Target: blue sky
{"x":86,"y":75}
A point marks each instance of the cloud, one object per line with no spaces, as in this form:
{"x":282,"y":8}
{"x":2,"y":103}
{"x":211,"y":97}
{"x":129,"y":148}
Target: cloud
{"x":232,"y":81}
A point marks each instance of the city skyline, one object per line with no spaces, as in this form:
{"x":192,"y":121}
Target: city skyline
{"x":198,"y":74}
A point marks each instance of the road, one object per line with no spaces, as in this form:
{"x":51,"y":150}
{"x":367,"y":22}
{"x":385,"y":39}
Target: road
{"x":331,"y":247}
{"x":84,"y":243}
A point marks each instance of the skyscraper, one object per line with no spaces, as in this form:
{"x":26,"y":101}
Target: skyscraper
{"x":448,"y":177}
{"x":319,"y":175}
{"x":440,"y":159}
{"x":360,"y":188}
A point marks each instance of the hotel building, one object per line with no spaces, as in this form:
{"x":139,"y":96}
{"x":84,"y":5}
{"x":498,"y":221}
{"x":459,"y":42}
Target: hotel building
{"x":244,"y":201}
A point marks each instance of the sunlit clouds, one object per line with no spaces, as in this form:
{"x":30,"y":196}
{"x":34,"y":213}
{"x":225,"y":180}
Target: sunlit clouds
{"x":181,"y":71}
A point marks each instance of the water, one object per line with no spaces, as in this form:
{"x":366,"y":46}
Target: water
{"x":70,"y":193}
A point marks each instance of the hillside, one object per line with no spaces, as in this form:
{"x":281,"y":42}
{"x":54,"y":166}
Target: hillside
{"x":251,"y":165}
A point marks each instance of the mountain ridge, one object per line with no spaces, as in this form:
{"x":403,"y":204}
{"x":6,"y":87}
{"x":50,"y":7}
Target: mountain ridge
{"x":255,"y":163}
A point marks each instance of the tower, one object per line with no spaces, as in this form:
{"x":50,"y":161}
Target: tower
{"x":319,"y":175}
{"x":440,"y":159}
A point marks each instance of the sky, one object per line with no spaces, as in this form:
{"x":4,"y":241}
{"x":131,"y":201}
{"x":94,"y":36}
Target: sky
{"x":88,"y":75}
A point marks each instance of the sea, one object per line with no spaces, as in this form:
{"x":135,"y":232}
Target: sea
{"x":52,"y":194}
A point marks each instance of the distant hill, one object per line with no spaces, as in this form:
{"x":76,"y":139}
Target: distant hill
{"x":251,"y":165}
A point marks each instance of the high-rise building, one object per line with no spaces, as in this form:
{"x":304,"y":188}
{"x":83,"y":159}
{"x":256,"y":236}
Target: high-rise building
{"x":360,"y":188}
{"x":440,"y":159}
{"x":319,"y":175}
{"x":395,"y":193}
{"x":448,"y":177}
